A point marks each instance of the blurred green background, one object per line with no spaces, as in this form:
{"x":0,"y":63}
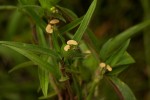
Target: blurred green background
{"x":111,"y":17}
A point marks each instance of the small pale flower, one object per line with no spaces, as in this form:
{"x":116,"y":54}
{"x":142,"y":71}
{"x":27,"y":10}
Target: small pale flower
{"x":54,"y":21}
{"x":102,"y":65}
{"x":49,"y":29}
{"x":67,"y":47}
{"x":72,"y":42}
{"x":108,"y":68}
{"x":87,"y":51}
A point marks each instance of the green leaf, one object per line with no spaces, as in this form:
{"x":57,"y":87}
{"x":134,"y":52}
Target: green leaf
{"x":84,"y":24}
{"x":55,"y":41}
{"x":41,"y":37}
{"x":48,"y":3}
{"x":71,"y":25}
{"x":117,"y":70}
{"x":44,"y":80}
{"x":116,"y":42}
{"x":115,"y":57}
{"x":125,"y":59}
{"x":36,"y":59}
{"x":13,"y":25}
{"x":42,"y":73}
{"x":123,"y":91}
{"x":50,"y":95}
{"x":122,"y":64}
{"x":92,"y":37}
{"x":33,"y":14}
{"x":22,"y":65}
{"x":68,"y":13}
{"x":31,"y":47}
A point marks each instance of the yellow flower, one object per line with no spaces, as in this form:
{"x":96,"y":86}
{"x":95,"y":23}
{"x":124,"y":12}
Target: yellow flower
{"x":67,"y":47}
{"x":72,"y":42}
{"x":102,"y":65}
{"x":69,"y":44}
{"x":108,"y":68}
{"x":54,"y":21}
{"x":49,"y":29}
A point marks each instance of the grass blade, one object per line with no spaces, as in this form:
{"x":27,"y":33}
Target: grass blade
{"x":84,"y":24}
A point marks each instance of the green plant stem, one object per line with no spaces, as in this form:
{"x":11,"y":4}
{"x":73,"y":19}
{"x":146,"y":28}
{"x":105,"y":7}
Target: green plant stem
{"x":98,"y":77}
{"x":146,"y":35}
{"x":67,"y":83}
{"x":50,"y":41}
{"x":92,"y":89}
{"x":90,"y":46}
{"x":55,"y":87}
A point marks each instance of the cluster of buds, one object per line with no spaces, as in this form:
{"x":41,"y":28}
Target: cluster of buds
{"x":70,"y":43}
{"x":50,"y":27}
{"x":104,"y":65}
{"x":54,"y":10}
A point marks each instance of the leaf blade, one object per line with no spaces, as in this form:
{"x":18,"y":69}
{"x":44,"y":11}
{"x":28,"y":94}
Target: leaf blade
{"x":31,"y":47}
{"x":36,"y":59}
{"x":84,"y":24}
{"x":124,"y":92}
{"x":22,"y":65}
{"x":121,"y":38}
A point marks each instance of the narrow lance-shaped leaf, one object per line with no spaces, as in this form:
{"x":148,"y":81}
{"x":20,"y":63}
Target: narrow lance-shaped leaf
{"x":68,"y":13}
{"x":41,"y":37}
{"x":71,"y":25}
{"x":13,"y":25}
{"x":44,"y":80}
{"x":115,"y":57}
{"x":43,"y":74}
{"x":32,"y":47}
{"x":125,"y":59}
{"x":123,"y":91}
{"x":93,"y":39}
{"x":117,"y":41}
{"x":122,"y":64}
{"x":33,"y":14}
{"x":22,"y":65}
{"x":84,"y":24}
{"x":36,"y":59}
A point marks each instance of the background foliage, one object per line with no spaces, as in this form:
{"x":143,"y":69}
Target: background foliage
{"x":111,"y":17}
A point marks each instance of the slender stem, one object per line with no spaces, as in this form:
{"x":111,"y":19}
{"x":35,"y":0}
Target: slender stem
{"x":67,"y":83}
{"x":50,"y":41}
{"x":55,"y":87}
{"x":92,"y":89}
{"x":98,"y":76}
